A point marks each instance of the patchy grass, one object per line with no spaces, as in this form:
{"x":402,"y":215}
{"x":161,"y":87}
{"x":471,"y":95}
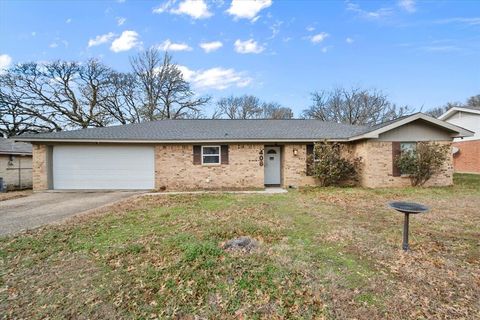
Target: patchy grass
{"x":324,"y":253}
{"x":14,"y":194}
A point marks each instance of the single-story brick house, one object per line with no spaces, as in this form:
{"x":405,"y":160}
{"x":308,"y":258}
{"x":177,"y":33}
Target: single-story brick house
{"x":15,"y":164}
{"x":224,"y":154}
{"x":466,"y":156}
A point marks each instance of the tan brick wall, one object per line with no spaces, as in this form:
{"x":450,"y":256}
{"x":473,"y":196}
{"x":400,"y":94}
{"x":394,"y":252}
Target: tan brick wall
{"x":467,"y":160}
{"x":294,"y":167}
{"x":39,"y":166}
{"x":377,"y":166}
{"x":174,"y":169}
{"x":10,"y":173}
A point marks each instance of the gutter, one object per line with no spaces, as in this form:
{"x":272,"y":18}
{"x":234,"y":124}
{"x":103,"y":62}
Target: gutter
{"x":97,"y":141}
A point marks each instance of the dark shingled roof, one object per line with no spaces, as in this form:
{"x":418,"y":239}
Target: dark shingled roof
{"x":204,"y":130}
{"x":8,"y":146}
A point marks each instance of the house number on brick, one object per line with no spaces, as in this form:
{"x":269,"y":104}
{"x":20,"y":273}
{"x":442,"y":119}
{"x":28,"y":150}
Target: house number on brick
{"x":261,"y":157}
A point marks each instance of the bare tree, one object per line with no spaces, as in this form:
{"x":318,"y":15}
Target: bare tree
{"x":121,"y":101}
{"x":472,"y":102}
{"x":59,"y":94}
{"x":355,"y":106}
{"x":16,"y":115}
{"x":243,"y":107}
{"x":273,"y":110}
{"x":438,"y":111}
{"x":164,"y":92}
{"x":15,"y":120}
{"x":250,"y":107}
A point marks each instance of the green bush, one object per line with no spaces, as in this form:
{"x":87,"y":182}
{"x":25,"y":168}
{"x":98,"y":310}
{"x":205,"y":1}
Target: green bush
{"x":330,"y":167}
{"x":423,"y":162}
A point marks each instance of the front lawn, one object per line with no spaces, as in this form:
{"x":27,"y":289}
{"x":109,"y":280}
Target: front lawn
{"x":324,"y":253}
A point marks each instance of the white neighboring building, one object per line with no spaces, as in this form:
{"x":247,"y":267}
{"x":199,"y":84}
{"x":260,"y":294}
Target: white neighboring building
{"x":467,"y":157}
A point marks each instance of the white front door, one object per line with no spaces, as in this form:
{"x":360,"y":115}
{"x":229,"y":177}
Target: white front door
{"x":272,"y":165}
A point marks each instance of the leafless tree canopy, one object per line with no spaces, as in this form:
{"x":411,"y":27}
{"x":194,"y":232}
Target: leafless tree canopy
{"x":164,"y":92}
{"x":472,"y":102}
{"x":66,"y":95}
{"x":250,"y":107}
{"x":353,"y":106}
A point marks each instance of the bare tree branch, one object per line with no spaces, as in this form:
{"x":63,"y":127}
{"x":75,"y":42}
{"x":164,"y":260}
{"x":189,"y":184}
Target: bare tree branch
{"x":355,"y":106}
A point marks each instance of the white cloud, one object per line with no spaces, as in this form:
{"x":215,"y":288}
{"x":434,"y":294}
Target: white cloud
{"x":34,"y":33}
{"x":310,"y":29}
{"x":326,"y":49}
{"x":121,"y":21}
{"x":349,"y":40}
{"x":100,"y":39}
{"x":440,"y":48}
{"x":5,"y":61}
{"x":248,"y":46}
{"x":211,"y":46}
{"x":53,"y":45}
{"x":168,"y":45}
{"x":407,"y":5}
{"x":215,"y":78}
{"x":197,"y":9}
{"x":275,"y":28}
{"x":247,"y":9}
{"x":127,"y":40}
{"x":319,"y":37}
{"x":68,"y":20}
{"x":370,"y":15}
{"x":163,"y":7}
{"x":461,"y":20}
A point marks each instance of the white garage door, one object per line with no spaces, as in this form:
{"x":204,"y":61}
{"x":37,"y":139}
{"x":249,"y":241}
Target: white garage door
{"x":103,"y":167}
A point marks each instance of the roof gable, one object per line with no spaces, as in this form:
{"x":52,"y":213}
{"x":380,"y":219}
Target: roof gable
{"x":452,"y":111}
{"x":376,"y":131}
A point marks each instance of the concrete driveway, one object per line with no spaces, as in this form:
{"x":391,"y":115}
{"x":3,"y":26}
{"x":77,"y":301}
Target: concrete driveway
{"x":43,"y":208}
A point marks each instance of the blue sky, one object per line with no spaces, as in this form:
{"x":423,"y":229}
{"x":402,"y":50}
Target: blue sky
{"x":419,"y":53}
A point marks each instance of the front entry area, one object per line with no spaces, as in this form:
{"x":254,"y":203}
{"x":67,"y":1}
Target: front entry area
{"x":272,"y":166}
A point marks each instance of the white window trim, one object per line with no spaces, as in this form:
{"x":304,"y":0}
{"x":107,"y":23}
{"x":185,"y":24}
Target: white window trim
{"x":219,"y":155}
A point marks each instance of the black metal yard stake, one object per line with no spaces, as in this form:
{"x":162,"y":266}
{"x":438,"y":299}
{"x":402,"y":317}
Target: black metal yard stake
{"x":405,"y":232}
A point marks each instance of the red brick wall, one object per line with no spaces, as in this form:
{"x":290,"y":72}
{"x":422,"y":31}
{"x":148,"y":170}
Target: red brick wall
{"x":467,"y":160}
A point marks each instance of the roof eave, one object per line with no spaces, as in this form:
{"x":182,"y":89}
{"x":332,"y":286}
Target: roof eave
{"x":15,"y":153}
{"x":461,"y":132}
{"x":190,"y":141}
{"x":454,"y":110}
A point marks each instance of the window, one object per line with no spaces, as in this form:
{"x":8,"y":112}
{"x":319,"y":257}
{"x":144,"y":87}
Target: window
{"x":210,"y":154}
{"x":408,"y":146}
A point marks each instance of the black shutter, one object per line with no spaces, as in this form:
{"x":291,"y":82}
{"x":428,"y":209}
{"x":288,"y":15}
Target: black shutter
{"x":197,"y":154}
{"x":396,"y":152}
{"x":309,"y":163}
{"x":224,"y":153}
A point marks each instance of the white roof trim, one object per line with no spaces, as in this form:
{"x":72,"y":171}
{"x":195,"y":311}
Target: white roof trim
{"x":454,"y":110}
{"x":376,"y":133}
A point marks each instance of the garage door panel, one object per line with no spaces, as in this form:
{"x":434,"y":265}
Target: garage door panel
{"x":103,"y":167}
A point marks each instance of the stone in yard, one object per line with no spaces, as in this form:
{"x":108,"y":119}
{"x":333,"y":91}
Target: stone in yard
{"x":245,"y":244}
